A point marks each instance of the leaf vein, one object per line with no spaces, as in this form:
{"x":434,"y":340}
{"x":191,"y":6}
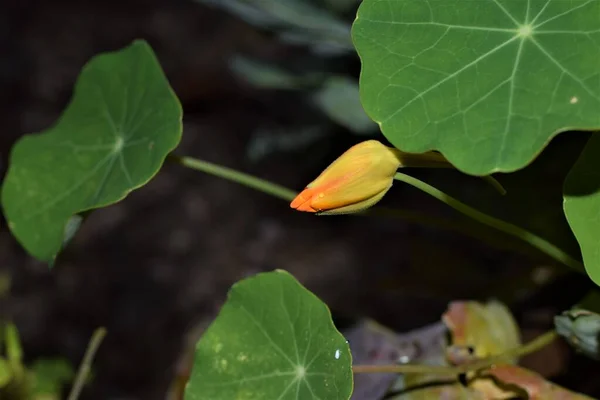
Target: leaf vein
{"x":564,"y":69}
{"x":454,"y":74}
{"x":266,"y":335}
{"x":570,"y":10}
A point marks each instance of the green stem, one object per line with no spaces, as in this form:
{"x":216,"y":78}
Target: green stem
{"x":287,"y":194}
{"x":236,"y":176}
{"x":498,"y":224}
{"x":432,"y":159}
{"x":86,"y":364}
{"x":531,"y":347}
{"x":495,"y":184}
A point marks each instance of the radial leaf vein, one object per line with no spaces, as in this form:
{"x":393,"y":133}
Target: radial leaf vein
{"x":107,"y":115}
{"x":124,"y":168}
{"x":310,"y":335}
{"x":267,"y":336}
{"x":505,"y":11}
{"x":314,"y":358}
{"x":102,"y":184}
{"x":540,"y":12}
{"x":511,"y":95}
{"x":567,"y":32}
{"x":125,"y":104}
{"x":76,"y":186}
{"x":447,"y":78}
{"x":290,"y":323}
{"x":287,"y":388}
{"x":563,"y":14}
{"x":139,"y":98}
{"x":450,"y":26}
{"x":311,"y":390}
{"x":251,"y":379}
{"x":564,"y":69}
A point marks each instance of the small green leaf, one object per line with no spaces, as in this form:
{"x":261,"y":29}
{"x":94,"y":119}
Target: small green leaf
{"x":112,"y":138}
{"x":5,"y":373}
{"x":339,"y":99}
{"x":582,"y":205}
{"x":14,"y":351}
{"x":267,"y":76}
{"x":49,"y":376}
{"x":488,"y":83}
{"x":273,"y":339}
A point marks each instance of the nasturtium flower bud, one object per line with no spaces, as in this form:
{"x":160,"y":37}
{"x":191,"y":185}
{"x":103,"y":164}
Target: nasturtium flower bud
{"x":358,"y":179}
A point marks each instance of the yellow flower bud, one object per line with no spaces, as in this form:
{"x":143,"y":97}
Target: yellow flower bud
{"x":358,"y":179}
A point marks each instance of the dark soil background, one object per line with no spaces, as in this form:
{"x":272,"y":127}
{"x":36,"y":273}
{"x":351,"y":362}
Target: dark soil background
{"x":155,"y":268}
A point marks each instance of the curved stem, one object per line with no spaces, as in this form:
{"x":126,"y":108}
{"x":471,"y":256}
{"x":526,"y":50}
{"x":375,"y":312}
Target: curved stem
{"x":405,"y":369}
{"x":287,"y":194}
{"x":495,"y":184}
{"x":533,"y":346}
{"x":496,"y":223}
{"x":433,"y":159}
{"x":86,"y":364}
{"x":236,"y":176}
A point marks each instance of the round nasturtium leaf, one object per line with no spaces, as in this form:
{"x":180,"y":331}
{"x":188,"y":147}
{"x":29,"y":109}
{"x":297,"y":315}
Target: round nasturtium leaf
{"x":581,"y":194}
{"x":112,"y":138}
{"x":273,"y":339}
{"x":486,"y":82}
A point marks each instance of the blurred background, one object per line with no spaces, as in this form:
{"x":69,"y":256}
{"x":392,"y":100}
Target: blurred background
{"x":269,"y":87}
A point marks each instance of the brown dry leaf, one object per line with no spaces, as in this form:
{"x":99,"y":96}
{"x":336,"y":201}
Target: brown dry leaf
{"x":430,"y":387}
{"x":506,"y":381}
{"x":477,"y":331}
{"x":503,"y":382}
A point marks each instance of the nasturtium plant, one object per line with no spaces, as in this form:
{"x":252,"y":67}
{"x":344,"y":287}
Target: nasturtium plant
{"x":488,"y":83}
{"x":273,"y":339}
{"x":113,"y":137}
{"x":582,"y":204}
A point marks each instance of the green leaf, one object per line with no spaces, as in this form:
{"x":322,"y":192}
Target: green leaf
{"x":273,"y":339}
{"x":582,"y":205}
{"x":339,"y":100}
{"x":5,"y":373}
{"x":112,"y":138}
{"x":50,"y":375}
{"x":295,"y":22}
{"x":14,"y":351}
{"x":267,"y":76}
{"x":488,"y":83}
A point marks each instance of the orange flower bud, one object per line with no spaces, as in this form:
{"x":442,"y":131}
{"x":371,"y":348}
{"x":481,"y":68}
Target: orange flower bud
{"x":358,"y":179}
